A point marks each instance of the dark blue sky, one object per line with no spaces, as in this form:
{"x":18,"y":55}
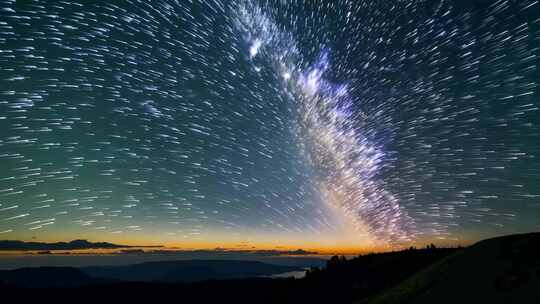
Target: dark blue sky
{"x":325,"y":124}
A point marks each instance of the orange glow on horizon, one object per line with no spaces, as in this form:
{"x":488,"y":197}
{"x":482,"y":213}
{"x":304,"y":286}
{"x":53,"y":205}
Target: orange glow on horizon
{"x":247,"y":246}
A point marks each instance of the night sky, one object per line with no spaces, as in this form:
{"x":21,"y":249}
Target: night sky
{"x":314,"y":124}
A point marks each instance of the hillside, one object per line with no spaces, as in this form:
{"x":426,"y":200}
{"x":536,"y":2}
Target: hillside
{"x":499,"y":270}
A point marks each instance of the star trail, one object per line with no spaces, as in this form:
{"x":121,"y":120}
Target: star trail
{"x":296,"y":123}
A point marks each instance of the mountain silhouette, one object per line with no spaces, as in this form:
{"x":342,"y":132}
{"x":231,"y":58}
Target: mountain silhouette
{"x":187,"y":271}
{"x":164,"y":272}
{"x":45,"y":277}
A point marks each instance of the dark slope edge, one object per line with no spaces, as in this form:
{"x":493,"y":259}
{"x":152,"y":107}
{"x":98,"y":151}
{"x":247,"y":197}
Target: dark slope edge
{"x":499,"y":270}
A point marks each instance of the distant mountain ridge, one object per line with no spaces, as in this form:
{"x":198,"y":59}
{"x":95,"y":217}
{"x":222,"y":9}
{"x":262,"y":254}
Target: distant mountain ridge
{"x":156,"y":272}
{"x":187,"y":270}
{"x":73,"y":245}
{"x":44,"y":277}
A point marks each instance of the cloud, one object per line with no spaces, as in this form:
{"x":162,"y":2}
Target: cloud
{"x":73,"y":245}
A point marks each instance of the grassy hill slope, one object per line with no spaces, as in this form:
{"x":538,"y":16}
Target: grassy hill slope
{"x":499,"y":270}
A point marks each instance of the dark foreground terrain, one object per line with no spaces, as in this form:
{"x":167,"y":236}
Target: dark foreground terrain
{"x":500,"y":270}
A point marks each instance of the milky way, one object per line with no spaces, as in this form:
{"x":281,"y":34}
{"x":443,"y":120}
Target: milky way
{"x":203,"y":120}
